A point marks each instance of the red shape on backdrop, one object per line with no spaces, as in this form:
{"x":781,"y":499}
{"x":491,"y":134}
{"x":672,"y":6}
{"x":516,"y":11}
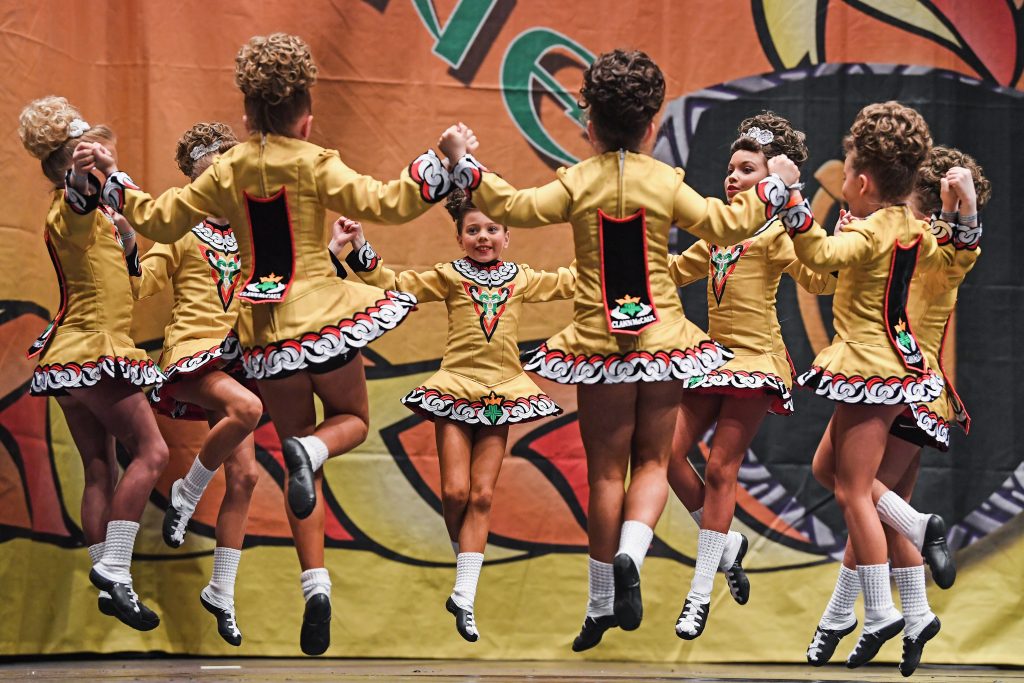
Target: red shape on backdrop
{"x":989,"y":29}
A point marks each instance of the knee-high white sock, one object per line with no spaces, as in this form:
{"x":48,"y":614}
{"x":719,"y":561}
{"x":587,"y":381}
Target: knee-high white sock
{"x":467,"y":574}
{"x":96,"y":554}
{"x":710,"y":545}
{"x":733,"y":541}
{"x":601,"y":594}
{"x":839,"y":613}
{"x":899,"y":515}
{"x":697,"y":515}
{"x":635,"y":540}
{"x":879,"y":610}
{"x":316,"y":449}
{"x":913,"y":599}
{"x":116,"y":564}
{"x":195,"y":482}
{"x":225,"y":569}
{"x":315,"y":582}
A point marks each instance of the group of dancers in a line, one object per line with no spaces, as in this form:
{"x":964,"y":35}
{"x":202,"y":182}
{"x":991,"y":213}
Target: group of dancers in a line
{"x":288,"y":311}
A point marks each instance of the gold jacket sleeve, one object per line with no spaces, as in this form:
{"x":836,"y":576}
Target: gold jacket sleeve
{"x":933,"y":256}
{"x":157,"y":266}
{"x":823,"y":253}
{"x":168,"y":217}
{"x":341,"y":189}
{"x":545,"y":285}
{"x":691,"y":265}
{"x":529,"y":208}
{"x":781,"y":251}
{"x":715,"y":221}
{"x":430,"y":285}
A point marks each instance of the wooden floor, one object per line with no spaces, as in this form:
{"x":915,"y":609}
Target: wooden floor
{"x":424,"y":671}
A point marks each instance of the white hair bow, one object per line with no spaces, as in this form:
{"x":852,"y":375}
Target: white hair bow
{"x":762,"y":135}
{"x":77,"y":128}
{"x":200,"y":151}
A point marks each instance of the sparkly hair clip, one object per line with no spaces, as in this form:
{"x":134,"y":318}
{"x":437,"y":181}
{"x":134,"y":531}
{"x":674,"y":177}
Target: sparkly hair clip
{"x":762,"y":135}
{"x":77,"y":128}
{"x":200,"y":151}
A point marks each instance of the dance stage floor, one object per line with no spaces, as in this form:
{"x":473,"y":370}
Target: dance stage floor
{"x":426,"y":671}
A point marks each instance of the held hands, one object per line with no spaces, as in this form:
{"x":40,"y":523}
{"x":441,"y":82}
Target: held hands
{"x":845,"y":218}
{"x":346,"y":231}
{"x":783,"y":167}
{"x":456,"y":141}
{"x":959,"y":182}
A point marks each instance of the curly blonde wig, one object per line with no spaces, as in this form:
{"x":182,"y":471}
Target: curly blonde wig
{"x":205,"y":135}
{"x":787,"y":139}
{"x":45,"y":130}
{"x":622,"y":91}
{"x":889,"y":141}
{"x":275,"y":74}
{"x":938,"y":161}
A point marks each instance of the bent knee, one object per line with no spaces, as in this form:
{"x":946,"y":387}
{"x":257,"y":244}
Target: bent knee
{"x":480,"y":499}
{"x":247,"y":413}
{"x":455,"y":496}
{"x":244,"y":481}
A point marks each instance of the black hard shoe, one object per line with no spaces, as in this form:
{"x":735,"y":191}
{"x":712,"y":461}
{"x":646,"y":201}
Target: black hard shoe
{"x":465,"y":622}
{"x":739,"y":585}
{"x":592,"y":631}
{"x":870,"y":643}
{"x":301,"y":491}
{"x":629,"y":606}
{"x":936,"y":552}
{"x":914,"y":647}
{"x":127,"y":607}
{"x":824,"y":643}
{"x":693,"y":614}
{"x":106,"y":604}
{"x":176,"y":519}
{"x":315,"y":637}
{"x":227,"y":627}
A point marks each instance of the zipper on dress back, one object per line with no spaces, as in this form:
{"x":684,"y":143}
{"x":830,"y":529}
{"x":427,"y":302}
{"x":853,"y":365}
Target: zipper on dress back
{"x":622,"y":182}
{"x":262,"y":167}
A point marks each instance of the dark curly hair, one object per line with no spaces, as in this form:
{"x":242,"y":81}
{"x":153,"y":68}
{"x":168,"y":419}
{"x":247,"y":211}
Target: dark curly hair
{"x":275,"y":74}
{"x":458,"y":204}
{"x":889,"y":141}
{"x":939,"y":160}
{"x":622,"y":91}
{"x":788,"y":140}
{"x":207,"y":135}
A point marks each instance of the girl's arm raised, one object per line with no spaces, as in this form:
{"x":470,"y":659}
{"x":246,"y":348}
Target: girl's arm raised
{"x":155,"y":269}
{"x":691,"y":265}
{"x":781,"y":252}
{"x":549,"y":285}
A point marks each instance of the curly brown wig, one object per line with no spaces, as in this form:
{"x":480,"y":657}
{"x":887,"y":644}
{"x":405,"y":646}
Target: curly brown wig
{"x":206,"y":135}
{"x":939,"y":160}
{"x":45,"y":129}
{"x":458,"y":204}
{"x":275,"y":74}
{"x":889,"y":141}
{"x":622,"y":91}
{"x":788,"y":140}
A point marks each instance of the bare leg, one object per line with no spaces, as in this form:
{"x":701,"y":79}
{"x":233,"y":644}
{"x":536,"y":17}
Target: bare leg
{"x":241,"y":475}
{"x":238,"y":412}
{"x":738,"y":422}
{"x":454,"y":452}
{"x":96,"y":449}
{"x":488,"y":454}
{"x":656,"y":412}
{"x":696,"y":413}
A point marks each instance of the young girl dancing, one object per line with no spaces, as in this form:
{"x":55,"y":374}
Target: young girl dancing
{"x":86,"y":358}
{"x":300,"y":327}
{"x":874,"y":366}
{"x":629,"y":348}
{"x":203,"y":269}
{"x":742,"y":283}
{"x":952,"y":183}
{"x":481,"y":388}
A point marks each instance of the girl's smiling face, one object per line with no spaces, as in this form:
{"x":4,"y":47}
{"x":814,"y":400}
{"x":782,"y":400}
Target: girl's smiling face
{"x":746,"y":169}
{"x":481,"y":238}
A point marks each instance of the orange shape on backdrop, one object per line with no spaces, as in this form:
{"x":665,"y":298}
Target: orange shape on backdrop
{"x":988,"y":27}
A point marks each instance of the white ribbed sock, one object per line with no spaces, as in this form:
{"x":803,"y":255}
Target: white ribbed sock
{"x":733,"y":542}
{"x":467,"y":574}
{"x":839,"y":613}
{"x":601,"y":598}
{"x":455,"y":548}
{"x":897,"y":513}
{"x":195,"y":482}
{"x":635,"y":540}
{"x":116,"y":564}
{"x":913,"y":599}
{"x":225,"y":569}
{"x":315,"y":449}
{"x":96,"y":554}
{"x":879,"y":610}
{"x":314,"y":582}
{"x":710,"y":545}
{"x":698,"y":515}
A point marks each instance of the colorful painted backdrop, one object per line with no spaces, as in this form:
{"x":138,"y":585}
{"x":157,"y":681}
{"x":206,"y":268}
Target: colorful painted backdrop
{"x":394,"y":73}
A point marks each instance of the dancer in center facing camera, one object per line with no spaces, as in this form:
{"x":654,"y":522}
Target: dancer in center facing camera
{"x":481,"y":388}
